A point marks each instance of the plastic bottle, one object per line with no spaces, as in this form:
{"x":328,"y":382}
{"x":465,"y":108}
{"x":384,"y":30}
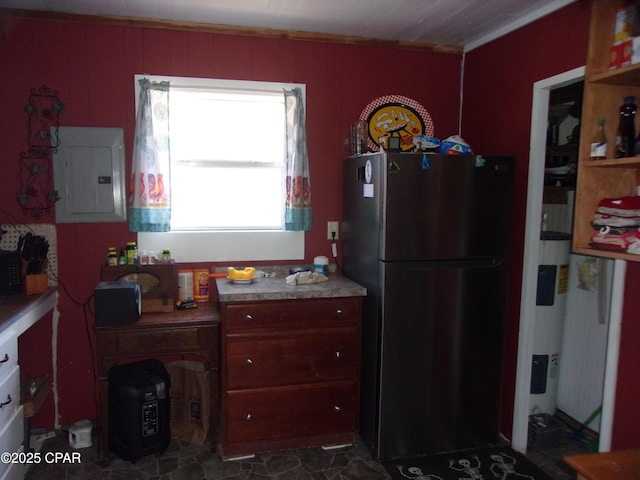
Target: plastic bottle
{"x":122,"y":259}
{"x":132,"y":253}
{"x":599,"y":143}
{"x":626,"y":135}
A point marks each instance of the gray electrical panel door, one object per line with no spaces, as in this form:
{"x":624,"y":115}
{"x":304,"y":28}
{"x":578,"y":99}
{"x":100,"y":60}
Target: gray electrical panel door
{"x":89,"y":175}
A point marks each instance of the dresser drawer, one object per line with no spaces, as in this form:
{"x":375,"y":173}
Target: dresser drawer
{"x":9,"y":394}
{"x":298,"y":411}
{"x":292,"y":358}
{"x":8,"y":352}
{"x":11,"y":437}
{"x":159,"y":341}
{"x":305,"y":313}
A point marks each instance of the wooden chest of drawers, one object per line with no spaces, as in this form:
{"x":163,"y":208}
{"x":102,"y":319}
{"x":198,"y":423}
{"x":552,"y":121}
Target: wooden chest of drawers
{"x":290,"y":376}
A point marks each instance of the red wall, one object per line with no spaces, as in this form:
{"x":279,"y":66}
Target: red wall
{"x":92,"y":67}
{"x":496,"y":118}
{"x":626,"y":425}
{"x":502,"y":124}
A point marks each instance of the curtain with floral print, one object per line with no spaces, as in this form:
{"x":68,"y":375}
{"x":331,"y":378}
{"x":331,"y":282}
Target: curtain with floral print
{"x":298,"y":193}
{"x":149,"y":190}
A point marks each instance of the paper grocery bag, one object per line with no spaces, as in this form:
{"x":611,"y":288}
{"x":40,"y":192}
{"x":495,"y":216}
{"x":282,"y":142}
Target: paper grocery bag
{"x":190,"y":401}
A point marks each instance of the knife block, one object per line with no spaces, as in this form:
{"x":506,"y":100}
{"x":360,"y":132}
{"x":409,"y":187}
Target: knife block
{"x":37,"y":283}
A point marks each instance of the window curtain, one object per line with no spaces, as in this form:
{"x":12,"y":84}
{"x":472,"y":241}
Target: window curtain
{"x":298,"y":195}
{"x":150,"y":196}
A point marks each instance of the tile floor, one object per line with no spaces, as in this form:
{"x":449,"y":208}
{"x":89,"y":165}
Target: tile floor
{"x":183,"y":461}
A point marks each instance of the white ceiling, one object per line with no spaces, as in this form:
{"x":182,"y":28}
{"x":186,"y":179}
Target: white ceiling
{"x":461,"y":23}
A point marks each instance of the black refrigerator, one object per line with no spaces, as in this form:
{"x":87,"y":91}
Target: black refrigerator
{"x":428,"y":235}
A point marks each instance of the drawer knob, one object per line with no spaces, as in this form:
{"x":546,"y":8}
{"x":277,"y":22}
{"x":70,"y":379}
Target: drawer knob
{"x":5,"y":359}
{"x":249,"y":417}
{"x":249,"y":361}
{"x":338,"y":355}
{"x":339,"y":312}
{"x":337,"y":409}
{"x":248,"y":317}
{"x":2,"y":404}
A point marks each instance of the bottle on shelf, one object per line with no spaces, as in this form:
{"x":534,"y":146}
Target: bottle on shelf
{"x":132,"y":253}
{"x":112,"y":257}
{"x":626,"y":136}
{"x":599,"y":143}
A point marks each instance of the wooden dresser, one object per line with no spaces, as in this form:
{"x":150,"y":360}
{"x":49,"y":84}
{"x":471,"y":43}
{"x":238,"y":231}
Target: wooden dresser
{"x":291,"y":367}
{"x":167,"y":336}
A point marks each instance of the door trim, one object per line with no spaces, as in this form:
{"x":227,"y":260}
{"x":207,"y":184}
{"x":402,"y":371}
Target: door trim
{"x":539,"y":115}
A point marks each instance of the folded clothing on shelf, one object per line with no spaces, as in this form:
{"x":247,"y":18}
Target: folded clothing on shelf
{"x":613,"y":239}
{"x":620,"y":207}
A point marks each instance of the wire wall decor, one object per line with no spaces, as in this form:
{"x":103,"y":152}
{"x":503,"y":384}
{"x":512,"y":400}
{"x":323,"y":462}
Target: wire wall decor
{"x":37,"y":194}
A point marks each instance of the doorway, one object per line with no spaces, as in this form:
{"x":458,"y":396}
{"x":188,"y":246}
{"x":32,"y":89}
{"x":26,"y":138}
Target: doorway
{"x":538,"y":142}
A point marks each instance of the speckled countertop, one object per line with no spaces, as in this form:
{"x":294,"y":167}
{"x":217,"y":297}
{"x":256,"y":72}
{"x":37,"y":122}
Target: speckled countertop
{"x":276,"y":288}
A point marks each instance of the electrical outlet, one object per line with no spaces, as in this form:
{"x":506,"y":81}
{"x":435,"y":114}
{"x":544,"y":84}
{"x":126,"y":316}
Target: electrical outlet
{"x":332,"y":227}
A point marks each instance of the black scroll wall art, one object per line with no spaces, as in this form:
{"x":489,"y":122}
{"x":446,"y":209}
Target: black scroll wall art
{"x":36,"y":194}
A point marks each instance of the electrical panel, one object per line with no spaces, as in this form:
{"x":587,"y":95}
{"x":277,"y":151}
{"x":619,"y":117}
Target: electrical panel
{"x":89,"y":175}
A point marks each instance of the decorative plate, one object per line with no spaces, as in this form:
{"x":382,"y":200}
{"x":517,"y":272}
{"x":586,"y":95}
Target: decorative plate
{"x":395,"y":115}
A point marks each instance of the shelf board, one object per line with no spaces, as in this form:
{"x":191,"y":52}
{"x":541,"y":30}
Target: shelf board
{"x":621,"y":76}
{"x":614,"y":162}
{"x":596,"y":252}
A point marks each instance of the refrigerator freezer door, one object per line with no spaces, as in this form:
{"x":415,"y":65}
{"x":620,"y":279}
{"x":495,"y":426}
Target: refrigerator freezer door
{"x":442,"y":339}
{"x":458,"y":207}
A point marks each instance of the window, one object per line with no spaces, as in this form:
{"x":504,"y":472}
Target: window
{"x":227,"y":171}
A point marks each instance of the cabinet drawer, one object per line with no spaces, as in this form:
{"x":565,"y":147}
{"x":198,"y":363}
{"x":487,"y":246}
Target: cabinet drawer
{"x":298,"y":411}
{"x":290,"y":359}
{"x":9,"y":394}
{"x":11,"y":438}
{"x":159,"y":341}
{"x":8,"y":352}
{"x":304,"y":313}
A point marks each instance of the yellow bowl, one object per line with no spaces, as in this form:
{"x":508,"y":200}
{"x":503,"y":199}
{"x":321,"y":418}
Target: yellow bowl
{"x":246,"y":274}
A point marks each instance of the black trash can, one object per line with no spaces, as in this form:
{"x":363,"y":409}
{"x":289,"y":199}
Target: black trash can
{"x":139,"y":410}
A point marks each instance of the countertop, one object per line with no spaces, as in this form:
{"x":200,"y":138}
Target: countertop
{"x":276,"y":288}
{"x":18,"y":312}
{"x":616,"y":465}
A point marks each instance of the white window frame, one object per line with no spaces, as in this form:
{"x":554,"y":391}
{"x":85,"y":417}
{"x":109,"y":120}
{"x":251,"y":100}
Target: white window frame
{"x":222,"y":246}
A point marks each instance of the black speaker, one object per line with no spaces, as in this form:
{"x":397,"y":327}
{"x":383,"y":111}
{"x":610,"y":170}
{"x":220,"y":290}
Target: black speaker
{"x":117,"y":303}
{"x":139,"y":409}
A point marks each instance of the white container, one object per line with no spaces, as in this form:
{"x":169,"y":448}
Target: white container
{"x":321,"y":265}
{"x":80,"y":434}
{"x":185,"y":285}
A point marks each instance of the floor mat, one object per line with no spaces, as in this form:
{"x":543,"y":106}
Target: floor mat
{"x":493,"y":463}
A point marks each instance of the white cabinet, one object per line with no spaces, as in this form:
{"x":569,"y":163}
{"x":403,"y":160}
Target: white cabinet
{"x":11,"y":419}
{"x":17,"y":314}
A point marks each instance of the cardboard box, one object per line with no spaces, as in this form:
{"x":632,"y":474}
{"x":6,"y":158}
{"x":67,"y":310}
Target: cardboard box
{"x":635,"y":50}
{"x":624,"y":25}
{"x":621,"y":55}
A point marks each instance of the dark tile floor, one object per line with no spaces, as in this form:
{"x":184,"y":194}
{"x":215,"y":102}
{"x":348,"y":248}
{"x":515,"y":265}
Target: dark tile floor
{"x":182,"y":461}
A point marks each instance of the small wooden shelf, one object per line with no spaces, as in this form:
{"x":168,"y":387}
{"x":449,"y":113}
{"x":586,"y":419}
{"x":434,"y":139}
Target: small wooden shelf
{"x":604,"y":91}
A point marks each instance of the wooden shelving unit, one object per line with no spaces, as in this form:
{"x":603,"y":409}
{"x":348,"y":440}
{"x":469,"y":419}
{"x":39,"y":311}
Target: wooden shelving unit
{"x":604,"y":91}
